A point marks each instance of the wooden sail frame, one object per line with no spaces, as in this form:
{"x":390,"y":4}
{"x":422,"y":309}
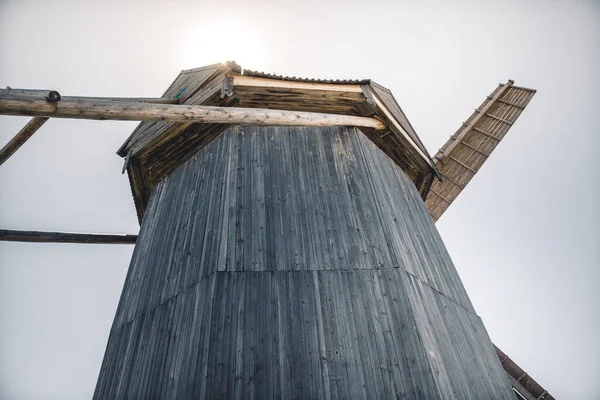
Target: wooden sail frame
{"x":461,"y":157}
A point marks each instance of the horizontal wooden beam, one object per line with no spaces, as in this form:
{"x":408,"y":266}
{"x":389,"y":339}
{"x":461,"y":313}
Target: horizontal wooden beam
{"x":45,"y":94}
{"x":11,"y":104}
{"x":21,"y":137}
{"x":65,"y":237}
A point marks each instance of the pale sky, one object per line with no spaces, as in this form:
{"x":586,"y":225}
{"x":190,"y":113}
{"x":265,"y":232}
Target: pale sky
{"x":524,"y":235}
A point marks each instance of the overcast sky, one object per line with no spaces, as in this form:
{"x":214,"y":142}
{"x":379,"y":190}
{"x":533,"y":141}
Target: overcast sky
{"x":524,"y":235}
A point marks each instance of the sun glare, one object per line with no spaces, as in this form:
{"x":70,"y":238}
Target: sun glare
{"x":220,"y":42}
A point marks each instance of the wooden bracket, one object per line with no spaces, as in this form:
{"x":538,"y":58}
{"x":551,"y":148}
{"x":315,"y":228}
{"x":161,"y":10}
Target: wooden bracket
{"x":126,"y":163}
{"x":227,"y":87}
{"x":368,"y":95}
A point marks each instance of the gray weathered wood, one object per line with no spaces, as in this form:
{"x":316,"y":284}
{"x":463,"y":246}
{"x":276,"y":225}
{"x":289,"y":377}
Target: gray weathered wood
{"x":20,"y":138}
{"x":7,"y":235}
{"x":294,"y":263}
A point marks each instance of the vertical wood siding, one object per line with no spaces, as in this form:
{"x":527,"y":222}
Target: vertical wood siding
{"x":294,"y":263}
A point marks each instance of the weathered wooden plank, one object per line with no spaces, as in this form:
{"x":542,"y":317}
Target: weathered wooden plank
{"x":134,"y":111}
{"x":20,"y":138}
{"x":7,"y":235}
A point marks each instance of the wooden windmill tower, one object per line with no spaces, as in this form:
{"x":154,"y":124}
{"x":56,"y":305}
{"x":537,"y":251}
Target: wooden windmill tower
{"x":287,"y":248}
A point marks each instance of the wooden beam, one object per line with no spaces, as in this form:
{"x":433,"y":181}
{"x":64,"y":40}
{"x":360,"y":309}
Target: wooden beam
{"x":136,"y":111}
{"x":242,"y":80}
{"x":65,"y":237}
{"x":20,"y":138}
{"x":43,"y":94}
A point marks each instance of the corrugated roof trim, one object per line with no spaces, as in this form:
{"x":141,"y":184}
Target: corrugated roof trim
{"x":247,"y":72}
{"x":257,"y":74}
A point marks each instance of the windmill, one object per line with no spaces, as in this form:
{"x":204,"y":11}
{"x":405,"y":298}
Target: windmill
{"x":287,"y":246}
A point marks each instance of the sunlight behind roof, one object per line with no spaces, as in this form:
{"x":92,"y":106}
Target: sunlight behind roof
{"x":220,"y":41}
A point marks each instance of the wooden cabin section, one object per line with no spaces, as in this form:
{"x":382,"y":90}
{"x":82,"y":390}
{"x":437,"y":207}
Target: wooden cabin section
{"x":155,"y":149}
{"x":467,"y":150}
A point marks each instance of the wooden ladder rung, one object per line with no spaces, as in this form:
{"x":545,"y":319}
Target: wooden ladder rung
{"x":498,"y":118}
{"x":441,"y":197}
{"x":511,"y":104}
{"x":475,"y":149}
{"x":463,"y":164}
{"x":452,"y":182}
{"x":485,"y":133}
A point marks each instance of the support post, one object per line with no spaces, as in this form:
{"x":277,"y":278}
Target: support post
{"x":7,"y":235}
{"x":20,"y":138}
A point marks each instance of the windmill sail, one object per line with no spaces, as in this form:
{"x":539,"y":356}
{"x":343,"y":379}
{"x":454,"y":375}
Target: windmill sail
{"x":468,"y":149}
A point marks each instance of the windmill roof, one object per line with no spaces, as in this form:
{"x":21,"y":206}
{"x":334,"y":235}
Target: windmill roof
{"x":155,"y":149}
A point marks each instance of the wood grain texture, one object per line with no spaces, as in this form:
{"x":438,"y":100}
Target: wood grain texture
{"x":286,"y":263}
{"x":20,"y":138}
{"x":7,"y":235}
